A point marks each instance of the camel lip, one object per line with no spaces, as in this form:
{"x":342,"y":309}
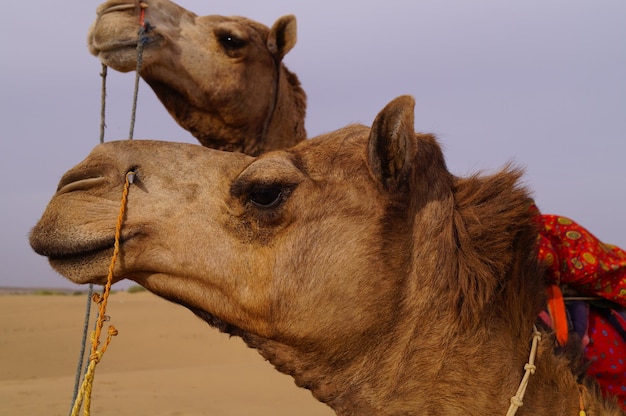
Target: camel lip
{"x":89,"y":249}
{"x":80,"y":253}
{"x":129,"y":44}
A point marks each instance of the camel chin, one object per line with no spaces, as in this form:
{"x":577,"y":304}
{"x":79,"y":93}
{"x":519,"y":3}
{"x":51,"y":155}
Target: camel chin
{"x":79,"y":260}
{"x":83,"y":269}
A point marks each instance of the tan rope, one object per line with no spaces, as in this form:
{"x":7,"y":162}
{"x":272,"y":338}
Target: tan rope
{"x":96,"y":355}
{"x":517,"y":400}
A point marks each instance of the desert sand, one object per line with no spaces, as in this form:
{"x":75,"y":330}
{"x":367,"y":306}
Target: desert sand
{"x":165,"y":361}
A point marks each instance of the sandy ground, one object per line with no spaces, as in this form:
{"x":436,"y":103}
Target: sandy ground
{"x":164,"y":361}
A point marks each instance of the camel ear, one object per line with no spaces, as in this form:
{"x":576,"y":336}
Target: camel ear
{"x":282,"y":37}
{"x":392,"y":144}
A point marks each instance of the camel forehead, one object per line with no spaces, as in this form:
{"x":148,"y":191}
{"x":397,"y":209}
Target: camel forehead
{"x":153,"y":147}
{"x":279,"y":164}
{"x":167,"y":156}
{"x":343,"y":150}
{"x":338,"y":157}
{"x":240,"y":26}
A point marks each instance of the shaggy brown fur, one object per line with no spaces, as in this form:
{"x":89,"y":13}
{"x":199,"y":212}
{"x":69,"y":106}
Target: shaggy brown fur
{"x":354,"y":262}
{"x":221,"y":78}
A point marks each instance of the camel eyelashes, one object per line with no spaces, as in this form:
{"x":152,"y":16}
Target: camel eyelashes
{"x":267,"y":196}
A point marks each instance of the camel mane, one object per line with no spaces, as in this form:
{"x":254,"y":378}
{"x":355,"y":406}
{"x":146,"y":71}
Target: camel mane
{"x":495,"y":245}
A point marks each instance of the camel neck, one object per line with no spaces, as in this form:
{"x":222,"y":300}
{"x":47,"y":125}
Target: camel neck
{"x":404,"y":374}
{"x":284,"y":126}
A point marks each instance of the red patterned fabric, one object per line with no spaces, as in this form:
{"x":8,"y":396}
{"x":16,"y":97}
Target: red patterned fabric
{"x":607,"y":354}
{"x":573,"y":256}
{"x":577,"y":258}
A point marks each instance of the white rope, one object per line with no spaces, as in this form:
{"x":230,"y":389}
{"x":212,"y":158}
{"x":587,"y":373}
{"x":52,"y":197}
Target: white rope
{"x":517,"y":400}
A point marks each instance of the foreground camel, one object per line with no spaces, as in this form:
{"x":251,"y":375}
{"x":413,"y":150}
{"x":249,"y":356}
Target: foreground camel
{"x":355,"y":262}
{"x":221,"y":78}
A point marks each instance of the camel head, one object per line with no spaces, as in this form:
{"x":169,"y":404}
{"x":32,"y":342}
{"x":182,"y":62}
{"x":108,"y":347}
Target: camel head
{"x":233,"y":236}
{"x":221,"y":78}
{"x":354,"y":262}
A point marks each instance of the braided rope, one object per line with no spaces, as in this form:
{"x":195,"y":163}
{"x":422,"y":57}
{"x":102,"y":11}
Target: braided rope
{"x":516,"y":401}
{"x":96,"y":355}
{"x":143,"y":39}
{"x":103,"y":97}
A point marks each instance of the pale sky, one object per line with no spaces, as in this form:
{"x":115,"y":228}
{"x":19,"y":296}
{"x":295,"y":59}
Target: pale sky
{"x":540,"y":83}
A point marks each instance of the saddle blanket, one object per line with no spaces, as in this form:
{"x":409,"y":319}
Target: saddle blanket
{"x":576,"y":259}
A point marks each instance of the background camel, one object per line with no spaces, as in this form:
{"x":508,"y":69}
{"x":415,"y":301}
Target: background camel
{"x":354,"y":262}
{"x":221,"y":78}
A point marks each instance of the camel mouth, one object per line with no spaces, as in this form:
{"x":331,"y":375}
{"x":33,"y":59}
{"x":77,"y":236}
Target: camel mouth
{"x":130,"y":45}
{"x":73,"y":251}
{"x":132,"y":37}
{"x":80,"y":251}
{"x":87,"y":263}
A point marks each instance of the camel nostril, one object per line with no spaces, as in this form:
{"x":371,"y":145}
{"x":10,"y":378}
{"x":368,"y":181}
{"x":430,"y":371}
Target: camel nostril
{"x":79,"y":184}
{"x":81,"y":178}
{"x":116,"y":8}
{"x":120,"y":5}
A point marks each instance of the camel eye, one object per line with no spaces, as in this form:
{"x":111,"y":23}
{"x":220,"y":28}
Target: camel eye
{"x":230,"y":42}
{"x":266,"y":196}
